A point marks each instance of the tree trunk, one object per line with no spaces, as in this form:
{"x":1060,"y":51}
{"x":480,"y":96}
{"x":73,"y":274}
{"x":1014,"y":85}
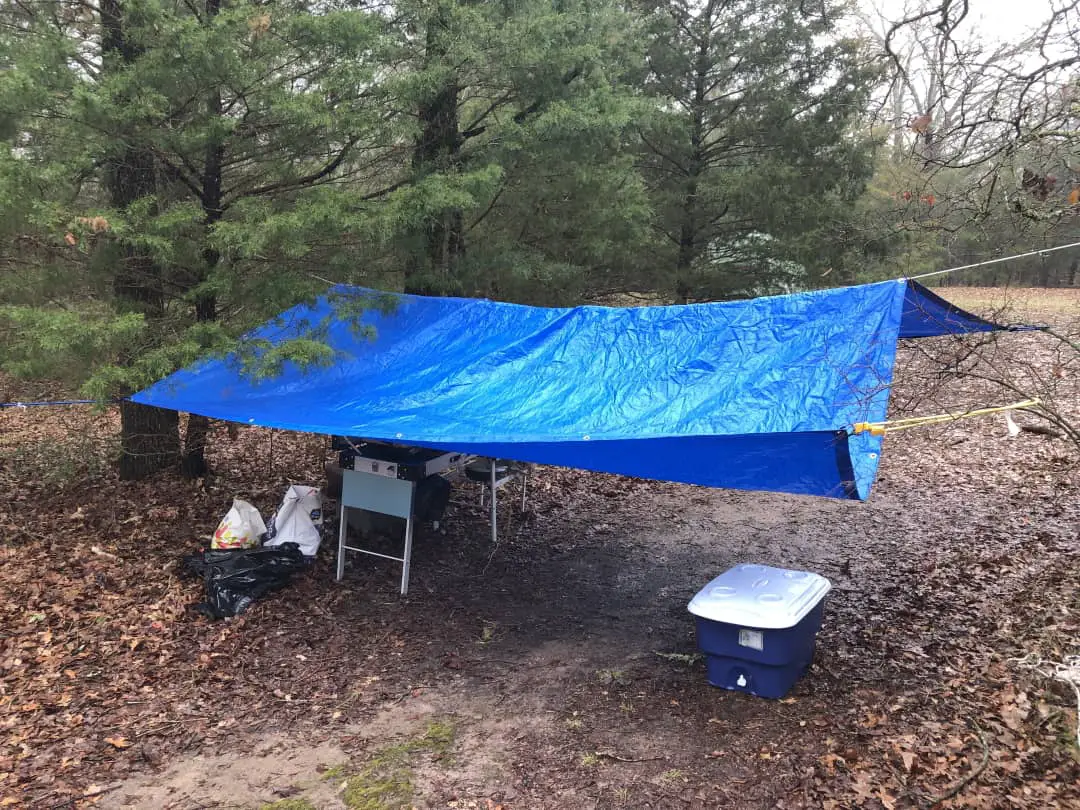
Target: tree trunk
{"x":898,"y":120}
{"x":149,"y":440}
{"x":149,"y":437}
{"x":689,"y":243}
{"x":1042,"y":278}
{"x":193,"y":464}
{"x":437,"y":149}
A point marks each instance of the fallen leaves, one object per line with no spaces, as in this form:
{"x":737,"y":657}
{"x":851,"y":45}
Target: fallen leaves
{"x":908,"y":758}
{"x":939,"y":589}
{"x":872,"y":720}
{"x":831,"y":762}
{"x":1015,"y":708}
{"x":867,"y":788}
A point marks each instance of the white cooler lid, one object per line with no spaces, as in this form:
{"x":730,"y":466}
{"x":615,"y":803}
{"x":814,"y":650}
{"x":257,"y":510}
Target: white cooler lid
{"x":753,"y":595}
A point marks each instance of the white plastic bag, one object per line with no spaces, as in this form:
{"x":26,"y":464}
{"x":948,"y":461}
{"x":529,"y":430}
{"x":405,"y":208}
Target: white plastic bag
{"x":242,"y":527}
{"x":298,"y":520}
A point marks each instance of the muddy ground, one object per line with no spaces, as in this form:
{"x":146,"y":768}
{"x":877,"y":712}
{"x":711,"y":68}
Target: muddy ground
{"x":553,"y":670}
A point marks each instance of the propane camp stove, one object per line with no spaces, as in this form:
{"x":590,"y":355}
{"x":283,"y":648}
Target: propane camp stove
{"x":390,"y":479}
{"x":403,"y":462}
{"x":395,"y":479}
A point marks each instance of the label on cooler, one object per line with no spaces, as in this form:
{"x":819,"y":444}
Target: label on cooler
{"x":754,"y":639}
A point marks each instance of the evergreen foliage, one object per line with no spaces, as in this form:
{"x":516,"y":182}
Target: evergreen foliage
{"x":176,"y":171}
{"x":754,"y":154}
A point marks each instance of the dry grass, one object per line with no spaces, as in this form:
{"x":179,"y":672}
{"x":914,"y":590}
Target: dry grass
{"x":1017,"y":303}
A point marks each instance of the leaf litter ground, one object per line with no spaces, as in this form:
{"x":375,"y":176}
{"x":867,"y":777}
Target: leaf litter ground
{"x":562,"y":659}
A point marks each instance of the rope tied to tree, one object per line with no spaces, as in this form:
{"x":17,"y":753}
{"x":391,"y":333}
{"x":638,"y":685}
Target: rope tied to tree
{"x":880,"y":428}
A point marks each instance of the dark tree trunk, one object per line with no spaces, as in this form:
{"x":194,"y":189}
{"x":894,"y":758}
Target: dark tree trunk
{"x":441,"y":246}
{"x":193,"y":464}
{"x":689,"y":237}
{"x":688,"y":241}
{"x":149,"y":437}
{"x":149,"y":440}
{"x":1042,"y":278}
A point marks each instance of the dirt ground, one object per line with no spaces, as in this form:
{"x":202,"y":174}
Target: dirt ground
{"x":556,"y":669}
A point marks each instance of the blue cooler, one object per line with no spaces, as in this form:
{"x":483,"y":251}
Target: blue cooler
{"x":757,"y":625}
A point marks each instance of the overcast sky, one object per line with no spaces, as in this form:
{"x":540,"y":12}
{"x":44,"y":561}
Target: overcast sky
{"x":999,"y":20}
{"x":1005,"y":19}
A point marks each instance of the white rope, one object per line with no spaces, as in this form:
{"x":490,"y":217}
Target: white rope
{"x":996,"y":261}
{"x":1067,"y":671}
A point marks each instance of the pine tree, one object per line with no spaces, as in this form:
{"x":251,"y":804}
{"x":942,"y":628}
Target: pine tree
{"x":155,"y":123}
{"x":198,"y":167}
{"x":753,"y":147}
{"x":521,"y":108}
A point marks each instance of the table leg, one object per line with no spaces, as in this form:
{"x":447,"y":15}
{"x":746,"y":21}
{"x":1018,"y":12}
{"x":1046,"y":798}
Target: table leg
{"x":407,"y":556}
{"x":342,"y":528}
{"x":494,"y":503}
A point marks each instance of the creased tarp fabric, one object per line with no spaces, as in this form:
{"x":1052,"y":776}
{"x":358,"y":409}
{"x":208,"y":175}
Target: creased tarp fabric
{"x":759,"y":394}
{"x":927,"y":314}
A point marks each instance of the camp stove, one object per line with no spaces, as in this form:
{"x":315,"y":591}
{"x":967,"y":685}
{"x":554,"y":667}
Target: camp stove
{"x":390,"y":460}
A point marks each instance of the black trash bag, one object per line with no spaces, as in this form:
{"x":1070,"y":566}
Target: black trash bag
{"x":237,"y":577}
{"x":432,"y":497}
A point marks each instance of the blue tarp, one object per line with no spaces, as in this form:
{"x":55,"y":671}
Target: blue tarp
{"x":759,"y":394}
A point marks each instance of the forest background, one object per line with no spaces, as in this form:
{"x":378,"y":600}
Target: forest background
{"x":177,"y":171}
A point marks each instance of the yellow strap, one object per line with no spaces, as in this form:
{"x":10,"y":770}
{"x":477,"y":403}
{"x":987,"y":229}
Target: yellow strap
{"x":879,"y":428}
